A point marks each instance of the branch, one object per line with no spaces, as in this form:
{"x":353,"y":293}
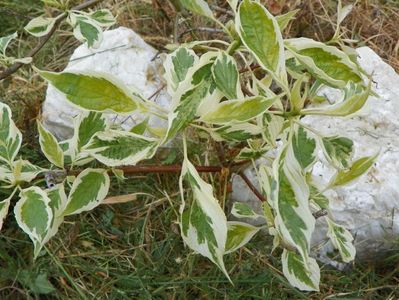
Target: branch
{"x":167,"y":169}
{"x":252,"y":187}
{"x":15,"y":67}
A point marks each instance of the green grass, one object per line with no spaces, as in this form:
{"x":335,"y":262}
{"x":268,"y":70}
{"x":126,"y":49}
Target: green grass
{"x":134,"y":250}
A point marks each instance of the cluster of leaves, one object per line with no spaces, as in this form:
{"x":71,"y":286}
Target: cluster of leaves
{"x":257,"y":107}
{"x":87,"y":27}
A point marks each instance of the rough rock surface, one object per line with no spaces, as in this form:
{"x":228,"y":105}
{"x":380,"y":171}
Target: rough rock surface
{"x":369,"y":207}
{"x":123,"y":54}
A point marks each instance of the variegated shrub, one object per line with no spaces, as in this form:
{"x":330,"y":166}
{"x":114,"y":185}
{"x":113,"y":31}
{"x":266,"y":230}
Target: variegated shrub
{"x":250,"y":94}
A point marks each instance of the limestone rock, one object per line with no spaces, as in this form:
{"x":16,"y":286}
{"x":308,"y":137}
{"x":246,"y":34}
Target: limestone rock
{"x":123,"y":54}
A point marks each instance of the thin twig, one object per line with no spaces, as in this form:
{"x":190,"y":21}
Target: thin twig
{"x":252,"y":187}
{"x":202,"y":29}
{"x":15,"y":67}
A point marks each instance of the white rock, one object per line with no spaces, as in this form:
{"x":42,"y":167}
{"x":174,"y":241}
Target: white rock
{"x":369,"y":207}
{"x":123,"y":54}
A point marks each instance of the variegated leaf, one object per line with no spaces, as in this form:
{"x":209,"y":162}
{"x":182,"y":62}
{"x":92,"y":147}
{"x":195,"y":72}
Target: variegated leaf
{"x":199,"y":7}
{"x":177,"y":65}
{"x":95,"y":92}
{"x":203,"y":222}
{"x":274,"y":126}
{"x":250,"y":154}
{"x":304,"y":148}
{"x":236,"y":132}
{"x":86,"y":125}
{"x":344,"y":108}
{"x":284,"y":20}
{"x":5,"y":41}
{"x":89,"y":124}
{"x":342,"y":240}
{"x":50,"y":146}
{"x":239,"y":234}
{"x":140,"y":128}
{"x":290,"y":197}
{"x":40,"y":26}
{"x":242,"y":210}
{"x":58,"y":201}
{"x":10,"y":136}
{"x":186,"y":110}
{"x":103,"y":17}
{"x":297,"y":100}
{"x":326,"y":63}
{"x":338,"y":151}
{"x":200,"y":71}
{"x":226,"y":77}
{"x":89,"y":189}
{"x":86,"y":29}
{"x":4,"y":206}
{"x":358,"y":168}
{"x":34,"y":215}
{"x":22,"y":171}
{"x":318,"y":198}
{"x":302,"y":274}
{"x":233,"y":4}
{"x":117,"y":148}
{"x":261,"y":34}
{"x":238,"y":110}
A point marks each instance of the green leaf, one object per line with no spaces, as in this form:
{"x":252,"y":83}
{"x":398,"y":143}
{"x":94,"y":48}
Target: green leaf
{"x":5,"y":40}
{"x":226,"y":77}
{"x":236,"y":132}
{"x":40,"y":26}
{"x":88,"y":191}
{"x":290,"y":198}
{"x":261,"y":34}
{"x":342,"y":240}
{"x":318,"y":198}
{"x":103,"y":17}
{"x":95,"y":92}
{"x":199,"y":7}
{"x":238,"y":110}
{"x":238,"y":235}
{"x":302,"y":274}
{"x":338,"y":151}
{"x":117,"y":148}
{"x":85,"y":29}
{"x":203,"y":224}
{"x":304,"y":148}
{"x":34,"y":215}
{"x":10,"y":136}
{"x":41,"y":285}
{"x":326,"y":63}
{"x":50,"y":146}
{"x":358,"y":168}
{"x":177,"y":65}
